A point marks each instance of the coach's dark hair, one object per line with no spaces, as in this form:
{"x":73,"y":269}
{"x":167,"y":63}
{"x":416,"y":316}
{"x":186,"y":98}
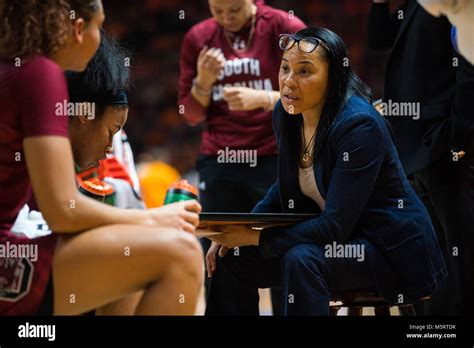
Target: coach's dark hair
{"x":343,"y":83}
{"x":39,"y":27}
{"x":106,"y":76}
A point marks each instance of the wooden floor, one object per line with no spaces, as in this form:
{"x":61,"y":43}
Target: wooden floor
{"x":266,"y":305}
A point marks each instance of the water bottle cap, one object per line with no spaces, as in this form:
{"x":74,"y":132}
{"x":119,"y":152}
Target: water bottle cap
{"x":97,"y":187}
{"x":185,"y":186}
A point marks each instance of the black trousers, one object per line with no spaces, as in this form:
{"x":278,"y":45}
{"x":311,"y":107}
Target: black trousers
{"x":229,"y":187}
{"x":447,"y":190}
{"x":305,"y":274}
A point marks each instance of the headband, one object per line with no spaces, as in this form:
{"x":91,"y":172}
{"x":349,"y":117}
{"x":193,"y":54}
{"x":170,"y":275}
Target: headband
{"x":119,"y":98}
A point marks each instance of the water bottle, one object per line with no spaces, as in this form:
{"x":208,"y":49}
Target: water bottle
{"x":180,"y":191}
{"x":99,"y":190}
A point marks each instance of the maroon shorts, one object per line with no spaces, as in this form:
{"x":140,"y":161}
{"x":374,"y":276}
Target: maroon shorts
{"x":25,"y":268}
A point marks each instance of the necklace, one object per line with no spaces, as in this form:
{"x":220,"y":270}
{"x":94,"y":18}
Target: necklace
{"x":238,"y":45}
{"x":307,"y":158}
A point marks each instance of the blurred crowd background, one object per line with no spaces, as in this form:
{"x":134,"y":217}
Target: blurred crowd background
{"x":153,"y":31}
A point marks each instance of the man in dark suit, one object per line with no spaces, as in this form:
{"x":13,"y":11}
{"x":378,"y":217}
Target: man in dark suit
{"x":435,"y":138}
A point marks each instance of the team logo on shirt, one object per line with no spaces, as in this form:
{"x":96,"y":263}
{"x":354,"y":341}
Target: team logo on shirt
{"x":15,"y":278}
{"x":245,"y":67}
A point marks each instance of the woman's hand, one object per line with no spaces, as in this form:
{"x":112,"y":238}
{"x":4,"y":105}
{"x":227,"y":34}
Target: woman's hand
{"x":68,"y":211}
{"x":244,"y":98}
{"x":236,"y":236}
{"x":210,"y":62}
{"x":182,"y":215}
{"x":460,"y":154}
{"x":214,"y":249}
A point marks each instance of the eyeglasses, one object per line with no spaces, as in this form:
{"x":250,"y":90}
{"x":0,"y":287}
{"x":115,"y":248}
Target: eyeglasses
{"x":306,"y":45}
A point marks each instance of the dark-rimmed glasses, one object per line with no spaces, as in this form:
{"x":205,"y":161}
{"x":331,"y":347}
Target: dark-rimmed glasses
{"x":306,"y":45}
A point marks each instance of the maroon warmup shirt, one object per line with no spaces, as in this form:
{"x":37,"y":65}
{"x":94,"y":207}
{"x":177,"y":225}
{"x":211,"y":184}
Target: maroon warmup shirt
{"x":28,"y":95}
{"x":256,"y":68}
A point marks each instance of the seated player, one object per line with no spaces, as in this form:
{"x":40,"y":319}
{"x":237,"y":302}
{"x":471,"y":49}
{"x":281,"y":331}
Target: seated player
{"x":103,"y":84}
{"x":102,"y":87}
{"x":97,"y":255}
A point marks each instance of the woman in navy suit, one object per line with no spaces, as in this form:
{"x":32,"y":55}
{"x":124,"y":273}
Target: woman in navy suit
{"x":336,"y":160}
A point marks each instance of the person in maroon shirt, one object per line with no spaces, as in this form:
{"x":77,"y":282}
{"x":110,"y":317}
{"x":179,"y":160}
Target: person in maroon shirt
{"x":97,"y":254}
{"x":229,"y":81}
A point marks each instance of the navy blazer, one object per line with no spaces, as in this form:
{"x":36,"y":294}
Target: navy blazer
{"x":368,"y":199}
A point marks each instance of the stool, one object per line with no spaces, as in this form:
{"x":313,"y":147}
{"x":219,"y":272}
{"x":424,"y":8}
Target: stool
{"x":356,"y":300}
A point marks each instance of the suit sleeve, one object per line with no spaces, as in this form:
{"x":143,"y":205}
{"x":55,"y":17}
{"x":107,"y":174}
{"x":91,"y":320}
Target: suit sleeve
{"x":193,"y":112}
{"x":352,"y":182}
{"x":456,"y":131}
{"x":462,"y":116}
{"x":271,"y":202}
{"x":383,"y":26}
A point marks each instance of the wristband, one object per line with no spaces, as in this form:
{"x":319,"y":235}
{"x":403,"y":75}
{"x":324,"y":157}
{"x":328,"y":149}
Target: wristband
{"x":200,"y":90}
{"x":270,"y":100}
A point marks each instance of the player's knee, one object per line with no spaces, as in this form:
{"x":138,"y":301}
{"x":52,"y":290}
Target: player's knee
{"x":188,"y":254}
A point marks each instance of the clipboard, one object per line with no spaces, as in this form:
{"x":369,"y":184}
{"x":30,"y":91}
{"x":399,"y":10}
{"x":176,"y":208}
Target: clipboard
{"x":256,"y":221}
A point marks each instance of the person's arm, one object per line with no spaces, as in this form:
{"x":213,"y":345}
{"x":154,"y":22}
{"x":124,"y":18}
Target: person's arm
{"x":199,"y":67}
{"x":39,"y":87}
{"x":50,"y":168}
{"x":382,"y":26}
{"x":245,"y":99}
{"x":345,"y":200}
{"x":209,"y":64}
{"x":271,"y":202}
{"x":456,"y":131}
{"x":193,"y":110}
{"x":62,"y":205}
{"x":462,"y":116}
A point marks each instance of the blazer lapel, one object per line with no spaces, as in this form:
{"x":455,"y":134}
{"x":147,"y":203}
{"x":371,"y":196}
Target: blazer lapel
{"x":318,"y":175}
